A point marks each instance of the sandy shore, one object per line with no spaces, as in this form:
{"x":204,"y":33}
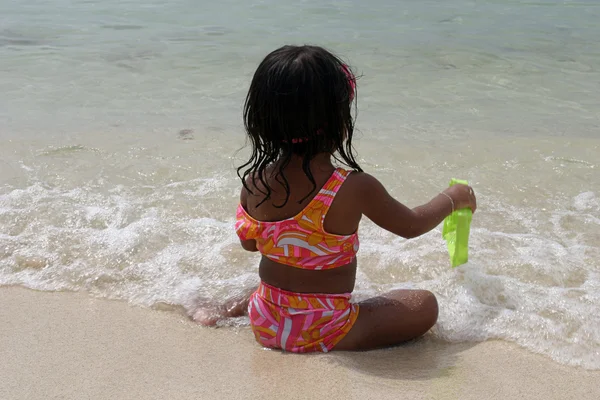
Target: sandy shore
{"x":71,"y":346}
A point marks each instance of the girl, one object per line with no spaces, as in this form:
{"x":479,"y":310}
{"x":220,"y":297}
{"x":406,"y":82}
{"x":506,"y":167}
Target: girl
{"x":302,"y":214}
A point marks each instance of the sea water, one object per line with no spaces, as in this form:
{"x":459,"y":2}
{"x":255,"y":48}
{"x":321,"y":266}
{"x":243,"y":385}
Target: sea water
{"x":120,"y":125}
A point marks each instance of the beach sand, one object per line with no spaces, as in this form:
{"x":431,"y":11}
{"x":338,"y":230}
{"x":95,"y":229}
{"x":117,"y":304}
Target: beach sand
{"x":73,"y":346}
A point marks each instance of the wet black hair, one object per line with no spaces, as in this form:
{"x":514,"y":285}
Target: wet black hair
{"x":299,"y":103}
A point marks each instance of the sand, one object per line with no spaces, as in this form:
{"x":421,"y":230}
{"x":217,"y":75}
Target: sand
{"x":73,"y":346}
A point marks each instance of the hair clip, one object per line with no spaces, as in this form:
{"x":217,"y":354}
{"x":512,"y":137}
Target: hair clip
{"x":351,"y":80}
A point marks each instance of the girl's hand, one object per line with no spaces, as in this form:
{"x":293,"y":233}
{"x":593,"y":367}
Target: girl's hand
{"x":463,"y":196}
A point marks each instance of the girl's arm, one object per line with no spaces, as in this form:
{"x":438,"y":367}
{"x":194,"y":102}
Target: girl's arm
{"x":381,"y":208}
{"x":250,"y":244}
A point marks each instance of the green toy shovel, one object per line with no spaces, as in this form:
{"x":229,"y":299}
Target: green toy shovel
{"x":456,"y":232}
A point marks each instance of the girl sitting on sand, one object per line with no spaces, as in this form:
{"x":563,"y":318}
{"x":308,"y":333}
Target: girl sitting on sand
{"x":302,"y":214}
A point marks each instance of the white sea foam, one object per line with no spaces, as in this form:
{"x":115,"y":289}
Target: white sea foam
{"x":539,"y":289}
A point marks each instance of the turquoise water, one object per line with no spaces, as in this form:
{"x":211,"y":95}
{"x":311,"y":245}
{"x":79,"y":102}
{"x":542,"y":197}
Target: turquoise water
{"x":500,"y":66}
{"x":120,"y":122}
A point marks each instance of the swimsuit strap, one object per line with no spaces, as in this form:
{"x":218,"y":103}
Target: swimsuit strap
{"x":321,"y":203}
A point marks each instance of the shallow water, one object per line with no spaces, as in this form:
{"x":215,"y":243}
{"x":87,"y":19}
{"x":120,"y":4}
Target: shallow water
{"x":120,"y":122}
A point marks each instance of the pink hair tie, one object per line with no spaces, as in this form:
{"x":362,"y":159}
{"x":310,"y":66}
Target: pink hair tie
{"x":351,"y":80}
{"x":305,"y":139}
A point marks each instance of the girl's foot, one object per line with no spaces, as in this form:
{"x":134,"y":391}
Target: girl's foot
{"x":211,"y":314}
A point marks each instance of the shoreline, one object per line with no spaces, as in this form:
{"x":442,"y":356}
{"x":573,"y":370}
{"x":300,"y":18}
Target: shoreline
{"x":73,"y":346}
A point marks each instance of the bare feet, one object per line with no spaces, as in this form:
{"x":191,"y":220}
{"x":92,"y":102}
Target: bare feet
{"x":211,"y":314}
{"x":207,"y":316}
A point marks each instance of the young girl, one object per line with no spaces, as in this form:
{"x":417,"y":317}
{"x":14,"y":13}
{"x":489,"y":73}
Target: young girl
{"x":302,"y":214}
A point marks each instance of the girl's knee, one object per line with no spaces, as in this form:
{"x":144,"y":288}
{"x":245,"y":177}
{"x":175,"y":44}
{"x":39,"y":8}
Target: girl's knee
{"x":429,"y":305}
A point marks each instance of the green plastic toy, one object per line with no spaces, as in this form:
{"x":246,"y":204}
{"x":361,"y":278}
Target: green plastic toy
{"x":456,"y":232}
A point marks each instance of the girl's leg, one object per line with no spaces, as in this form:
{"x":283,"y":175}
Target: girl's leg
{"x":395,"y":317}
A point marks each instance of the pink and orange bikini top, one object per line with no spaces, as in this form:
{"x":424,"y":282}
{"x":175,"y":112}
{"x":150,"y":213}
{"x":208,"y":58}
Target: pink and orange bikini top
{"x":301,"y":241}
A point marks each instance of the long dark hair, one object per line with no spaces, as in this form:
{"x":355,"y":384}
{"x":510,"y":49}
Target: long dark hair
{"x":298,"y":103}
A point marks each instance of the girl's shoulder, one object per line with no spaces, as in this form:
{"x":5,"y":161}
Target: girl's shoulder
{"x":361,"y":182}
{"x":363,"y":190}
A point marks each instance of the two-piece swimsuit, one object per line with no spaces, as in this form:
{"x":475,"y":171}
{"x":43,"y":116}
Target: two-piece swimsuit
{"x":301,"y":322}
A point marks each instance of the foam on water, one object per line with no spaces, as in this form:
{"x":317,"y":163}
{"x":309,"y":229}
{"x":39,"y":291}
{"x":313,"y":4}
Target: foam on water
{"x":533,"y":281}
